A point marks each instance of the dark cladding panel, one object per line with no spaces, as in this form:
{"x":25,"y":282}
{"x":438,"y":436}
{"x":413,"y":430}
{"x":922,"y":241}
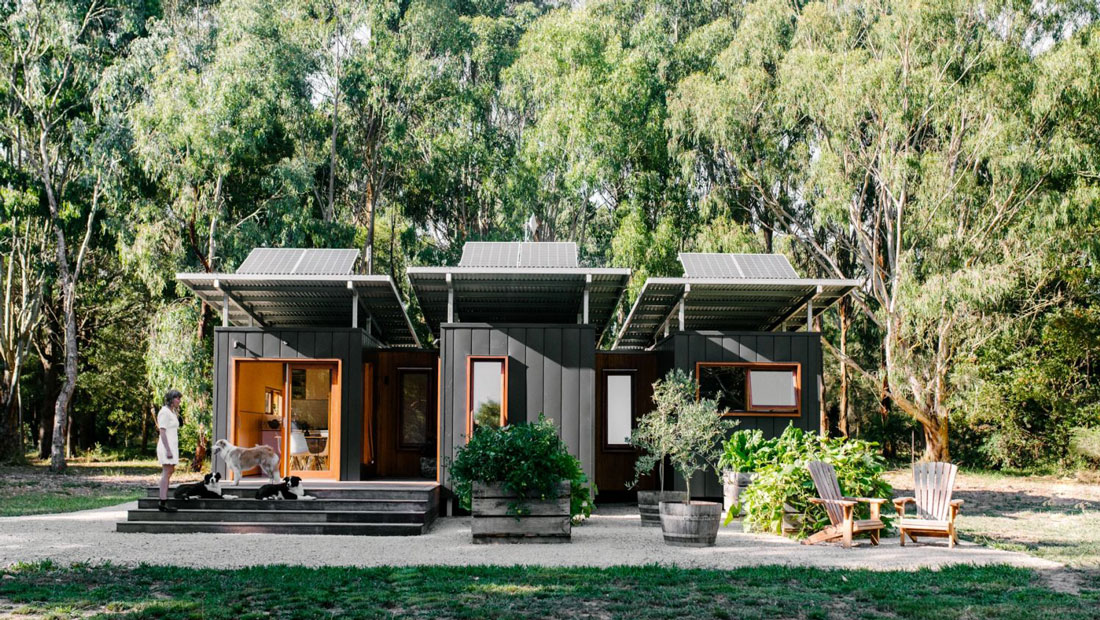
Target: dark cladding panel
{"x":550,"y":369}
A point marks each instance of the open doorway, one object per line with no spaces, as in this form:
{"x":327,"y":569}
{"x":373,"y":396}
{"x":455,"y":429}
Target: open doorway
{"x":293,"y":407}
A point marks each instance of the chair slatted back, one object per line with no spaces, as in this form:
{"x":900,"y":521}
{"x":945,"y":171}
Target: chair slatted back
{"x":827,"y":488}
{"x":932,"y":486}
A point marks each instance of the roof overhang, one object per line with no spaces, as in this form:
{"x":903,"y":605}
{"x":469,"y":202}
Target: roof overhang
{"x":300,"y":300}
{"x":725,"y":304}
{"x":518,"y":294}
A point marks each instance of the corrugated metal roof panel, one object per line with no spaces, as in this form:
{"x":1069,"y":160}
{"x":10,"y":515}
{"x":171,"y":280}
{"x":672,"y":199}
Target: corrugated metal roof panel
{"x":737,"y":266}
{"x":286,"y":261}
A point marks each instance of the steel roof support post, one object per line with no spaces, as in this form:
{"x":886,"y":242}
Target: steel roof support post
{"x":587,"y":284}
{"x":354,"y":305}
{"x":450,"y":298}
{"x":810,"y":311}
{"x":683,"y":302}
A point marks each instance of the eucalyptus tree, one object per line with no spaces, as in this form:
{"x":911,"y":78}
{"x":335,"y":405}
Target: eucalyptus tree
{"x":24,"y":241}
{"x":215,"y":125}
{"x":52,"y":59}
{"x":909,"y":140}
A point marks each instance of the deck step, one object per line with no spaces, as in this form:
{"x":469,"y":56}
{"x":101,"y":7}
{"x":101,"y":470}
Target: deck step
{"x":334,"y":505}
{"x":424,"y":493}
{"x":356,"y":508}
{"x":246,"y":527}
{"x":281,"y":516}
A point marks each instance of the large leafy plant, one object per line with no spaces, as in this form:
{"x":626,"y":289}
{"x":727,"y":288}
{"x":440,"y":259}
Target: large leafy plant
{"x":785,"y":480}
{"x":528,"y":460}
{"x":746,"y":451}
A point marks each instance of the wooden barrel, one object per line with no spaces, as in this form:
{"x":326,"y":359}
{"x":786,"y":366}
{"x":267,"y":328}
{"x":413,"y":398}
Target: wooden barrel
{"x":547,"y":521}
{"x":733,"y":485}
{"x":649,"y":505}
{"x":693,"y":524}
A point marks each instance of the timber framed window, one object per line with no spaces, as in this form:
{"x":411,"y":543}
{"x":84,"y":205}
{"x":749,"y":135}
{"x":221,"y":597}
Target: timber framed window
{"x":618,"y":408}
{"x":486,"y":392}
{"x":416,"y":396}
{"x":752,"y":389}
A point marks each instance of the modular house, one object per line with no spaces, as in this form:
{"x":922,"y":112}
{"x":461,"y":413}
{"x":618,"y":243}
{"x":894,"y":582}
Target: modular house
{"x":323,"y":364}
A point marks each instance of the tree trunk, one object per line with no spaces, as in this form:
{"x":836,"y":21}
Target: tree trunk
{"x":822,"y":405}
{"x":200,"y":450}
{"x":884,"y":414}
{"x":935,"y":440}
{"x":49,"y":396}
{"x":68,"y":304}
{"x":842,"y":391}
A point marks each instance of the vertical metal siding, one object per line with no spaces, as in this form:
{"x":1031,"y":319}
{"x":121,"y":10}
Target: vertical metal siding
{"x":551,"y":370}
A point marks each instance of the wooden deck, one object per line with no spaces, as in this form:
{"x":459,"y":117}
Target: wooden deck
{"x":363,"y":508}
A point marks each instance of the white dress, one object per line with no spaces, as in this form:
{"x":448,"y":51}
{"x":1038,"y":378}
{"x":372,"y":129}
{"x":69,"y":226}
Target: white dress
{"x":170,"y":422}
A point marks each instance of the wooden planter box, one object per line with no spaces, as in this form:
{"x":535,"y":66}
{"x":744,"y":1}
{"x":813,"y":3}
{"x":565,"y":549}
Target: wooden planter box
{"x":548,"y":521}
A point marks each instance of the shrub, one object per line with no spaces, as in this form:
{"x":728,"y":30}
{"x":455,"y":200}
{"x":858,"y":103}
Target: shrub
{"x":786,"y":480}
{"x":528,"y":460}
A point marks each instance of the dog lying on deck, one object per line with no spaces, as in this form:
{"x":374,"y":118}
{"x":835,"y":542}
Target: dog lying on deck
{"x":240,"y":459}
{"x":290,"y":488}
{"x":210,"y":487}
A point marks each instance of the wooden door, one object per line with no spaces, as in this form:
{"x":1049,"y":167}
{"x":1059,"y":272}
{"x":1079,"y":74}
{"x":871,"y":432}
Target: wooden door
{"x":624,"y":393}
{"x":406,"y":414}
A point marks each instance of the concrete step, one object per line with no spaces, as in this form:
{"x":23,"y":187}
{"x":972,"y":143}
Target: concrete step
{"x":337,"y":529}
{"x":333,"y":505}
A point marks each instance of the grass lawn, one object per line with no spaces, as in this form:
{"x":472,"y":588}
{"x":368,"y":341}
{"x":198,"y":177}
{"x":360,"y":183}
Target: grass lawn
{"x":531,"y":592}
{"x":32,"y":489}
{"x":1056,"y":518}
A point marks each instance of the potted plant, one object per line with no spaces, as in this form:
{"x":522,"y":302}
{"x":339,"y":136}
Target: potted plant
{"x":694,"y":446}
{"x":742,"y":455}
{"x":653,"y":436}
{"x":520,"y":484}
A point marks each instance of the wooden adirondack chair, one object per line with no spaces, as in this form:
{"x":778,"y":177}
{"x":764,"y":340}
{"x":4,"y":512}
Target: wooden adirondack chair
{"x":841,"y":509}
{"x":936,"y":511}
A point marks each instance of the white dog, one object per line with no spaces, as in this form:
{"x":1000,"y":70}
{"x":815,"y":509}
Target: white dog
{"x":240,"y":459}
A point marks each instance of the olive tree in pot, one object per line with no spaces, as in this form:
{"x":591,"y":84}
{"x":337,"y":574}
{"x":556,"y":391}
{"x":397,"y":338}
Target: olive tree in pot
{"x":520,"y":484}
{"x":696,"y":435}
{"x":653,"y":437}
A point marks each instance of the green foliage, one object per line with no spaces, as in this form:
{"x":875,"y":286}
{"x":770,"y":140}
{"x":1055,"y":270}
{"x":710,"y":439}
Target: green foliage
{"x":177,"y":358}
{"x":528,"y":460}
{"x":1034,"y":389}
{"x":746,"y":451}
{"x":785,"y":480}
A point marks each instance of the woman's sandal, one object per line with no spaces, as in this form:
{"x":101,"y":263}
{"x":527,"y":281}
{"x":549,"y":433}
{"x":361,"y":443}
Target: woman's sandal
{"x":164,"y":507}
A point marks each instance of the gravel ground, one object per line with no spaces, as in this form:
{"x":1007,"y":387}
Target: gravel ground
{"x":612,"y":537}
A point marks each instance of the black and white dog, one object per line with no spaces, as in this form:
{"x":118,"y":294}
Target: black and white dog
{"x":209,"y":488}
{"x":289,"y":488}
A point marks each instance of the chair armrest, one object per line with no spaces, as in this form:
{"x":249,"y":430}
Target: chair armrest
{"x":867,"y":500}
{"x":838,"y":502}
{"x":900,"y":502}
{"x":956,"y":502}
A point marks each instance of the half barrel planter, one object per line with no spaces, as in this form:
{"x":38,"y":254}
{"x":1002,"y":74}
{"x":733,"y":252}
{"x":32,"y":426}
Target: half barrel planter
{"x":649,"y":505}
{"x":546,"y":520}
{"x":690,"y":524}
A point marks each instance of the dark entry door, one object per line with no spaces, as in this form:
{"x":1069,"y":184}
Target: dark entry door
{"x":406,"y":414}
{"x":624,"y":393}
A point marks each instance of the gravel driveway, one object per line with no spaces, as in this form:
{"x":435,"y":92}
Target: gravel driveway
{"x":612,"y":537}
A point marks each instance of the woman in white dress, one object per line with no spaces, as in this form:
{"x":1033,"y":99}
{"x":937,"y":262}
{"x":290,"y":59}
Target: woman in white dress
{"x":168,"y":452}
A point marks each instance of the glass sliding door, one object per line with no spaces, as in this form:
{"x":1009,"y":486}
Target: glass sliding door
{"x":313,"y":426}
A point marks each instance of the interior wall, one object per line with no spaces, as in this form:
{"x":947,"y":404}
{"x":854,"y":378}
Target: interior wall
{"x":253,"y":379}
